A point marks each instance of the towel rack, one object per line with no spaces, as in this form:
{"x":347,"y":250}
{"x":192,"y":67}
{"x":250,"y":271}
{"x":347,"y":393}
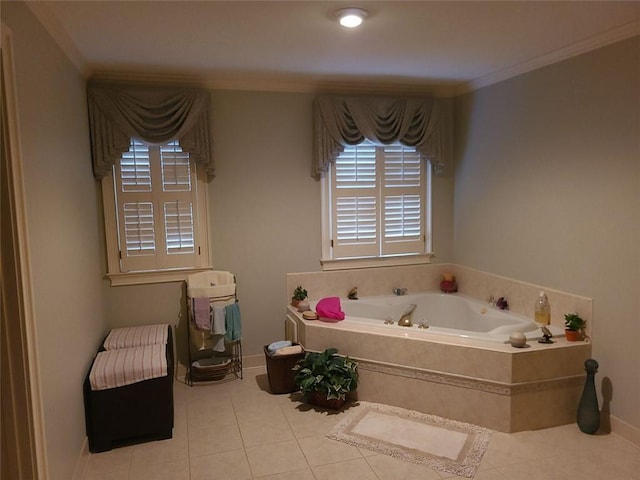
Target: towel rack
{"x":205,"y":364}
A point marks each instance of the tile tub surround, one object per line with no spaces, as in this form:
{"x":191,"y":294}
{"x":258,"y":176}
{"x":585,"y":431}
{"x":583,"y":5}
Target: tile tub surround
{"x":492,"y":385}
{"x":424,"y":278}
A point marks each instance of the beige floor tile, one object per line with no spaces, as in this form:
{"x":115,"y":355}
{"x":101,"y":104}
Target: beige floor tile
{"x":389,"y":468}
{"x":214,"y":421}
{"x":161,"y":451}
{"x":204,"y":415}
{"x":506,"y":450}
{"x":533,"y":470}
{"x":490,"y":474}
{"x":230,"y":465}
{"x":116,"y":475}
{"x":593,"y":465}
{"x":275,"y":458}
{"x":357,"y":469}
{"x":257,"y":409}
{"x":320,"y":450}
{"x":205,"y":441}
{"x":297,"y":475}
{"x":306,"y":422}
{"x":367,"y":453}
{"x":117,"y":460}
{"x":264,"y":430}
{"x":178,"y":470}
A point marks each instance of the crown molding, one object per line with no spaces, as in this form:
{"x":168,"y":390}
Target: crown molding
{"x":253,"y":81}
{"x":278,"y":83}
{"x":617,"y":34}
{"x":43,"y":13}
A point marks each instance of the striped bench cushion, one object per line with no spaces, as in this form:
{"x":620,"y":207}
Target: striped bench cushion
{"x":136,"y":336}
{"x":124,"y":366}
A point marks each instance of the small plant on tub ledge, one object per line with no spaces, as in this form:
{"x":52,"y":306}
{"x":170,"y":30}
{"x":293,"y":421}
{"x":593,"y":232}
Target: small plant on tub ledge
{"x":325,"y":378}
{"x":574,"y":327}
{"x":299,"y":294}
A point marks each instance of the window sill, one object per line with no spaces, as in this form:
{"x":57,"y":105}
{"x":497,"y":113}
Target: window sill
{"x":371,"y":262}
{"x":143,"y":278}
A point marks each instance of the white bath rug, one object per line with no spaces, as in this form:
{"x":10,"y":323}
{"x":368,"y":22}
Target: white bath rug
{"x":442,"y":444}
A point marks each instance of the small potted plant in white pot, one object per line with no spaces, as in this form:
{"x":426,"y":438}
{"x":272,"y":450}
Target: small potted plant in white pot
{"x":574,"y":326}
{"x":299,"y":294}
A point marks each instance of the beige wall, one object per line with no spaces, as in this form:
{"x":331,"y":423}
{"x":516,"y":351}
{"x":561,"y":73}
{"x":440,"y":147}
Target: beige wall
{"x":63,"y":235}
{"x":548,"y":192}
{"x":264,"y":217}
{"x":558,"y":144}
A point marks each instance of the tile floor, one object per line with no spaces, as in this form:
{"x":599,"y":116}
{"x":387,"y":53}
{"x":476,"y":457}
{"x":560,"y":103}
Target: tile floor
{"x":237,"y":430}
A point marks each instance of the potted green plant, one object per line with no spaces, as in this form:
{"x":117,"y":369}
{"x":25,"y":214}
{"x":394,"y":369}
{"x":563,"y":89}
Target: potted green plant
{"x":299,"y":294}
{"x":574,"y":327}
{"x":325,"y":378}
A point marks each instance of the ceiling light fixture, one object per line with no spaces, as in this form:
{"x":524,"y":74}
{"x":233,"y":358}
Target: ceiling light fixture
{"x":351,"y":17}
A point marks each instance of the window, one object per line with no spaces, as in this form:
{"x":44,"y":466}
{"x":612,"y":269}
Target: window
{"x":155,"y":215}
{"x":377,"y":206}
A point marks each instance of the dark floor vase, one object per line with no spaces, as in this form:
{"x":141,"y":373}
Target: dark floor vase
{"x":588,"y":413}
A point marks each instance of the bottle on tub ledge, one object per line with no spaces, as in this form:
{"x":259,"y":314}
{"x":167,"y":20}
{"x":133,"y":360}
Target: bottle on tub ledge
{"x":543,"y":310}
{"x":448,"y":283}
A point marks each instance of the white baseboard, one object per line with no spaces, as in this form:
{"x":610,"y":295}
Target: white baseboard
{"x":82,"y":463}
{"x":251,"y":361}
{"x":625,"y":430}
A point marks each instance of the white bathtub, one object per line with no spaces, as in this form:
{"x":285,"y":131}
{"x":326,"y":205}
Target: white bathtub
{"x":444,"y":314}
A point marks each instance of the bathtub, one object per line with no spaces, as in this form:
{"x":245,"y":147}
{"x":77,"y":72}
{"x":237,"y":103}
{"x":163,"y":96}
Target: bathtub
{"x":460,"y":367}
{"x":437,"y":313}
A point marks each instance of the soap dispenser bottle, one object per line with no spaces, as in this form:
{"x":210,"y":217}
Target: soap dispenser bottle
{"x":543,"y":310}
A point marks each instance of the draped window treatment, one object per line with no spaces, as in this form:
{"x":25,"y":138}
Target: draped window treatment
{"x":423,"y":123}
{"x":155,"y":115}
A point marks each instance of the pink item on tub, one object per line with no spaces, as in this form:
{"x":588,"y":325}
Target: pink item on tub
{"x":329,"y":309}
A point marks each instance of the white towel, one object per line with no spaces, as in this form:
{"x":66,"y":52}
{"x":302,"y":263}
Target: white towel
{"x":292,"y":350}
{"x":218,"y":328}
{"x":210,"y":278}
{"x":212,"y":291}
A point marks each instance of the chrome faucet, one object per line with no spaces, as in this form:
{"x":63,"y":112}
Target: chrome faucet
{"x":399,"y":291}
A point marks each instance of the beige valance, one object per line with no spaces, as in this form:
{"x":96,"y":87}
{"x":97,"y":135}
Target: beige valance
{"x":423,"y":123}
{"x":154,"y":115}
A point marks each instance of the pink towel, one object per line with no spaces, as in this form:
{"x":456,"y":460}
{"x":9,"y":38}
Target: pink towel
{"x":329,"y":309}
{"x":201,"y":316}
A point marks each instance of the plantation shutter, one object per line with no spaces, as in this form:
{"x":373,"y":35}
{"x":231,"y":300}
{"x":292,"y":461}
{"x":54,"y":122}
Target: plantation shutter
{"x":378,"y":204}
{"x":355,"y":209}
{"x":156,"y":202}
{"x":403,"y":196}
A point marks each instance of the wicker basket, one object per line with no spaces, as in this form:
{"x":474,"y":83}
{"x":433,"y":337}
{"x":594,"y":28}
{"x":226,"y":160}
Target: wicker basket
{"x":281,"y":377}
{"x":214,"y":368}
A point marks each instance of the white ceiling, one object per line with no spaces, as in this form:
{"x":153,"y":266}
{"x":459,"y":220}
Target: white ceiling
{"x":298,"y":45}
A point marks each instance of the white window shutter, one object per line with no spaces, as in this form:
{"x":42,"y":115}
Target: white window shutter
{"x":404,"y":197}
{"x":139,"y":229}
{"x":355,"y":209}
{"x":156,"y":205}
{"x":378,"y":197}
{"x":178,"y":222}
{"x":176,"y":171}
{"x":135,"y":168}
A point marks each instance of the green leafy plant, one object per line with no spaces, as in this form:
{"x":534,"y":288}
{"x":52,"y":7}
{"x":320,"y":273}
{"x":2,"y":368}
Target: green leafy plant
{"x":299,"y":293}
{"x":327,"y":373}
{"x":573,"y":321}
